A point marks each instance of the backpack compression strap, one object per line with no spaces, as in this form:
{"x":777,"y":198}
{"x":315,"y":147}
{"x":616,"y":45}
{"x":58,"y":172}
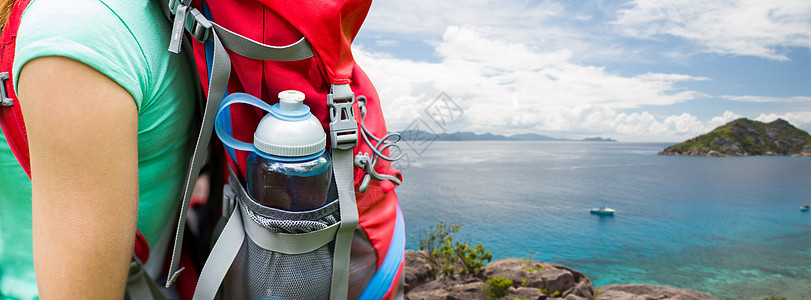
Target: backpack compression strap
{"x":203,"y":30}
{"x":343,"y":136}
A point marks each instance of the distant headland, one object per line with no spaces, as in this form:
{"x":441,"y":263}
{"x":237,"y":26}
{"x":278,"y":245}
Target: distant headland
{"x":472,"y":136}
{"x":744,"y":137}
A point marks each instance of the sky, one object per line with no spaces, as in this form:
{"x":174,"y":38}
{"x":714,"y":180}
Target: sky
{"x":634,"y":71}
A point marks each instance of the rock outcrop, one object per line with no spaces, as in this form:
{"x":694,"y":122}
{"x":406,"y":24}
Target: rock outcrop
{"x":647,"y":291}
{"x":744,"y":137}
{"x":531,"y":280}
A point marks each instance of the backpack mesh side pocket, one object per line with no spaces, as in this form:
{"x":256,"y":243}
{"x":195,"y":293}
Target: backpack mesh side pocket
{"x":259,"y":273}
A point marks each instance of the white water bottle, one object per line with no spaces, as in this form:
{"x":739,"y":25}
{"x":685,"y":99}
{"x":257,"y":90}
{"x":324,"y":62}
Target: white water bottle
{"x":291,"y":170}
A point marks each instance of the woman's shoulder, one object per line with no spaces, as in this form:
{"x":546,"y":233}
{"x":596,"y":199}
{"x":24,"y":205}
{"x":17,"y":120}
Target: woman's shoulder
{"x":119,"y":38}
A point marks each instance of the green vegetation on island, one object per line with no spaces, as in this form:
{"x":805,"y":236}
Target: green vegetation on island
{"x":744,"y":137}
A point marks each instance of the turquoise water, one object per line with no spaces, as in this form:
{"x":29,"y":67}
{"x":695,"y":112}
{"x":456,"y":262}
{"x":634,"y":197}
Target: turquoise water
{"x":730,"y":227}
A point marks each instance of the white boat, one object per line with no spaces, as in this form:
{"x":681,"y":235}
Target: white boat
{"x":602,"y":210}
{"x":804,"y":208}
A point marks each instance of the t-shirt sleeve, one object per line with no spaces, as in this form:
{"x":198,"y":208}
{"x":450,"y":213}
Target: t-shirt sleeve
{"x":87,"y":31}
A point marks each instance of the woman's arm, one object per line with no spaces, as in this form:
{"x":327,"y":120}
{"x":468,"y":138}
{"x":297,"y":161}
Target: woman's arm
{"x":83,"y":139}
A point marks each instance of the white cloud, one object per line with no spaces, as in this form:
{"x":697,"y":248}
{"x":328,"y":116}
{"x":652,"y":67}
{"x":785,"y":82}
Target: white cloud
{"x":510,"y":87}
{"x":737,"y":27}
{"x":517,"y":66}
{"x":723,"y":119}
{"x":800,"y":119}
{"x":429,"y":18}
{"x":763,"y":99}
{"x":387,"y":43}
{"x":544,"y":24}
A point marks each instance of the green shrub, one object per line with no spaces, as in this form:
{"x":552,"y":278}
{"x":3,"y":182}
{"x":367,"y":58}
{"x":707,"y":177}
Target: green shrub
{"x":526,"y":264}
{"x":597,"y":292}
{"x":546,"y":292}
{"x":497,"y":287}
{"x":472,"y":259}
{"x":534,"y":269}
{"x":775,"y":298}
{"x":449,"y":256}
{"x":525,"y":282}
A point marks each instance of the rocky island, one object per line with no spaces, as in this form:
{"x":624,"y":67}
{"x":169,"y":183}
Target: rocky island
{"x":744,"y":137}
{"x":516,"y":278}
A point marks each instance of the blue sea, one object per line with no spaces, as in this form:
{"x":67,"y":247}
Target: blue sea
{"x":730,"y":227}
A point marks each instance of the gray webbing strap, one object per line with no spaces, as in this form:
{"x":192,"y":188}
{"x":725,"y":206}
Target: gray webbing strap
{"x":251,"y":49}
{"x":287,"y":243}
{"x":343,"y":169}
{"x":221,"y":257}
{"x":139,"y":289}
{"x":201,"y":29}
{"x":180,"y":8}
{"x":342,"y":166}
{"x":221,"y":71}
{"x":140,"y":285}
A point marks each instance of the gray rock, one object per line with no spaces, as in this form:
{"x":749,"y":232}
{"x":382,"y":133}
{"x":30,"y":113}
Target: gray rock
{"x":538,"y":275}
{"x":528,"y":278}
{"x":432,"y":290}
{"x":525,"y":293}
{"x":578,"y":277}
{"x":464,"y":291}
{"x":557,"y":280}
{"x":518,"y":270}
{"x":583,"y":289}
{"x":620,"y":295}
{"x":648,"y":292}
{"x":417,"y":271}
{"x":714,"y":153}
{"x":448,"y":288}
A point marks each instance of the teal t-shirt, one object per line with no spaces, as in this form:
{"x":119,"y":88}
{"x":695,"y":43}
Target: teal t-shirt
{"x":127,"y":41}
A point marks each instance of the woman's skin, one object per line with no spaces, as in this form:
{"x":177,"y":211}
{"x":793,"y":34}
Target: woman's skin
{"x":82,"y":133}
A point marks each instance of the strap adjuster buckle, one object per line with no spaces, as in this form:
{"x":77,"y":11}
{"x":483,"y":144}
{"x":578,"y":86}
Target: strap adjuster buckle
{"x":173,"y":4}
{"x":343,"y":128}
{"x":198,"y":26}
{"x":4,"y":99}
{"x":189,"y":18}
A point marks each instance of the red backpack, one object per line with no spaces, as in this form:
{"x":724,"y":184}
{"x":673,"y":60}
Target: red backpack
{"x":260,"y":48}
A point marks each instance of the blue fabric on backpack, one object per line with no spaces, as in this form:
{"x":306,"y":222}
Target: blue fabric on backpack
{"x":383,"y":279}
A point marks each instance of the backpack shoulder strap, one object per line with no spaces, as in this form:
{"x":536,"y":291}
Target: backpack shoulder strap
{"x":11,"y":118}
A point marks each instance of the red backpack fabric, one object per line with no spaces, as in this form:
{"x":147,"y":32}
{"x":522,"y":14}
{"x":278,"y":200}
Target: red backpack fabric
{"x":11,"y":118}
{"x":330,"y":27}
